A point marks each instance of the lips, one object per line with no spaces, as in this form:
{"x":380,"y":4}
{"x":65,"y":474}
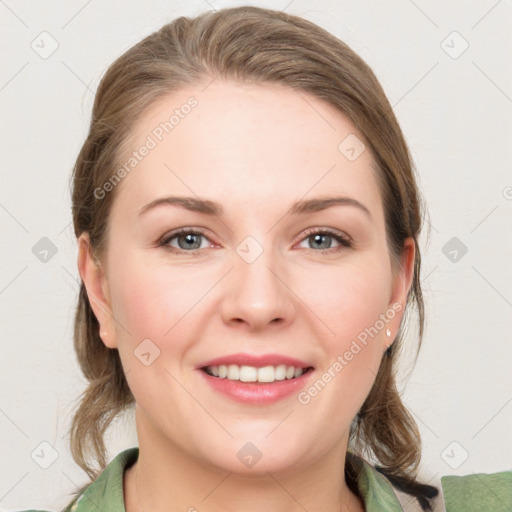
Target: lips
{"x":256,"y":380}
{"x":255,"y":361}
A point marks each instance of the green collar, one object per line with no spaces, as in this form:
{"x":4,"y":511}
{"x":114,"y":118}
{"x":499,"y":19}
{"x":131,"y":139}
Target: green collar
{"x":376,"y":491}
{"x":106,"y":492}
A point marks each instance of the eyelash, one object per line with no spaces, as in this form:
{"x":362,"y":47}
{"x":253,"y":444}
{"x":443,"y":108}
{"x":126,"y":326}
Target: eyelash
{"x":344,"y":241}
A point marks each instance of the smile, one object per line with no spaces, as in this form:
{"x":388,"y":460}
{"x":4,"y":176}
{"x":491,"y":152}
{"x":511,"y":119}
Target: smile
{"x":246,"y":373}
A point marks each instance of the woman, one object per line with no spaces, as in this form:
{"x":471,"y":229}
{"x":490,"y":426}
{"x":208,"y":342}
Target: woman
{"x":247,"y":220}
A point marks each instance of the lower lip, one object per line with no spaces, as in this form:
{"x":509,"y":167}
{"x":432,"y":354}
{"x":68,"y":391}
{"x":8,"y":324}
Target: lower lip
{"x":258,"y":392}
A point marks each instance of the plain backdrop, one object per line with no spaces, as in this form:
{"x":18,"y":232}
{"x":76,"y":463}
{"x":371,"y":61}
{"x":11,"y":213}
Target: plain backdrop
{"x":446,"y":68}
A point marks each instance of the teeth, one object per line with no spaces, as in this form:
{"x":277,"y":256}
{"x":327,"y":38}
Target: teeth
{"x":253,"y":374}
{"x":266,"y":374}
{"x":233,"y":372}
{"x":280,"y":372}
{"x":247,"y":373}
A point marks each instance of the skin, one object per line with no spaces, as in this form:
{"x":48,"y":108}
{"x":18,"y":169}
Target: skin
{"x":256,"y":149}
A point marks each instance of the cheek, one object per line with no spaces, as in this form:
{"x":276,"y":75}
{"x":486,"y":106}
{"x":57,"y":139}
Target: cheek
{"x":153,"y":303}
{"x":151,"y":299}
{"x":168,"y":306}
{"x":347,"y":299}
{"x":350,"y":301}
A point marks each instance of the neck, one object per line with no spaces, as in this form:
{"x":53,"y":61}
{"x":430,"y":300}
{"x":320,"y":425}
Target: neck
{"x":164,"y":475}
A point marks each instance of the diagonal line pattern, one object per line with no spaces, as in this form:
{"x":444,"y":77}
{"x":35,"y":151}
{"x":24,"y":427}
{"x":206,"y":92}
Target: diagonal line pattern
{"x":492,"y":211}
{"x":287,"y":5}
{"x":215,"y":10}
{"x":199,"y":300}
{"x":75,"y":15}
{"x":501,"y":409}
{"x":429,"y":274}
{"x":432,"y":225}
{"x":493,"y":287}
{"x":307,"y":192}
{"x":301,"y":300}
{"x":199,"y":403}
{"x":85,"y":495}
{"x":411,"y":500}
{"x":11,"y":489}
{"x":8,"y":8}
{"x":423,"y":423}
{"x":88,"y":88}
{"x":14,"y":218}
{"x":108,"y":313}
{"x":285,"y":490}
{"x":424,"y":13}
{"x":486,"y":14}
{"x":492,"y":81}
{"x":217,"y":486}
{"x":64,"y":228}
{"x":302,"y":96}
{"x":14,"y":76}
{"x":489,"y":488}
{"x":210,"y":83}
{"x":170,"y":170}
{"x":75,"y":279}
{"x":279,"y":423}
{"x":210,"y":5}
{"x":13,"y":279}
{"x":417,"y":83}
{"x":14,"y":423}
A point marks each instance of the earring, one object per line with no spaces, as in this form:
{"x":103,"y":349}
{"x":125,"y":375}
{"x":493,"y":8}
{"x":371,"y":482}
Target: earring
{"x":388,"y":345}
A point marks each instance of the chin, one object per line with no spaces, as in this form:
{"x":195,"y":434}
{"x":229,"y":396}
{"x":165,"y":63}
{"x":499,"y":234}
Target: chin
{"x":256,"y":458}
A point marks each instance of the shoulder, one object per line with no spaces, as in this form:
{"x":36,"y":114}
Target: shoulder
{"x":479,"y":491}
{"x":106,"y":492}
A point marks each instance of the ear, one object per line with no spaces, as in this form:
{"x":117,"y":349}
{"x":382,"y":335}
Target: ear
{"x":95,"y":282}
{"x":401,"y":283}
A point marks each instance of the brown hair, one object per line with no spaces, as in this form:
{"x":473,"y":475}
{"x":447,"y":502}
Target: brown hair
{"x":261,"y":46}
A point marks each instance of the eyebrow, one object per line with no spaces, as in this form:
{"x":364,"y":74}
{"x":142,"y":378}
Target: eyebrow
{"x":213,"y":208}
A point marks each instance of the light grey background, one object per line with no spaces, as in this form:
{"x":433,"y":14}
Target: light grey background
{"x":455,"y":108}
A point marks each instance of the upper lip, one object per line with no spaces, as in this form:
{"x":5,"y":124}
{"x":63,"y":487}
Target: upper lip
{"x":256,"y":361}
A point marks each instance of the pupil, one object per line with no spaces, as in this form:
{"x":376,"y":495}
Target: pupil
{"x":189,"y":239}
{"x":322,"y":241}
{"x":318,"y":238}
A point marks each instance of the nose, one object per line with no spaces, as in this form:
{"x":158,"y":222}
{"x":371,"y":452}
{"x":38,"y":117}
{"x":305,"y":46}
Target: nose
{"x":257,"y":295}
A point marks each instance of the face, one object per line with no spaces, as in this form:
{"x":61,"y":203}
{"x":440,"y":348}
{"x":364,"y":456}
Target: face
{"x":264,"y":274}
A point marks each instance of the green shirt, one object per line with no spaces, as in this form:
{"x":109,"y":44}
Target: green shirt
{"x":472,"y":493}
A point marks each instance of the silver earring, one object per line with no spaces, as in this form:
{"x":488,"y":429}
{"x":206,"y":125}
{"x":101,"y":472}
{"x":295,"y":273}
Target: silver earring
{"x":388,"y":333}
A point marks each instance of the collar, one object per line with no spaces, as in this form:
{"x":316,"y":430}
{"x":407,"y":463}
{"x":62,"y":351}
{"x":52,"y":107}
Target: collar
{"x":106,"y":492}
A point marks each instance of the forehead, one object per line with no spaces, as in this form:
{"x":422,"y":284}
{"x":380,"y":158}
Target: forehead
{"x":247,"y":144}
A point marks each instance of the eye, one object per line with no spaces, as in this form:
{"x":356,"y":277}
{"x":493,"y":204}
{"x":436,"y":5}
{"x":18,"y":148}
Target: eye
{"x":191,"y":240}
{"x":186,"y":240}
{"x":323,"y":239}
